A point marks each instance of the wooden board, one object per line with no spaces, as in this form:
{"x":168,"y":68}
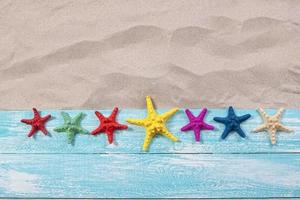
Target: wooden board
{"x":13,"y":135}
{"x":48,"y":167}
{"x":160,"y":175}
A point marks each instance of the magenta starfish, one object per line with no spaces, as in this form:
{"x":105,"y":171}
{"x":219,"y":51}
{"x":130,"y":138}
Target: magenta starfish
{"x":37,"y":123}
{"x":196,"y":123}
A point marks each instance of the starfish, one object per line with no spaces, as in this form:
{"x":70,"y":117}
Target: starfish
{"x":154,"y":123}
{"x":108,"y":125}
{"x":232,"y":123}
{"x":196,"y":123}
{"x":271,"y":124}
{"x":37,"y":123}
{"x":71,"y":126}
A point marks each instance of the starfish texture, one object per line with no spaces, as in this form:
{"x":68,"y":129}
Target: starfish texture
{"x":232,"y":123}
{"x":154,"y":123}
{"x":37,"y":123}
{"x":196,"y":123}
{"x":108,"y":125}
{"x":71,"y":126}
{"x":271,"y":124}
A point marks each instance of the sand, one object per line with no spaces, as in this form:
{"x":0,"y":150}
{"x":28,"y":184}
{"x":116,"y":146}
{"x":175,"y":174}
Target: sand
{"x":100,"y":54}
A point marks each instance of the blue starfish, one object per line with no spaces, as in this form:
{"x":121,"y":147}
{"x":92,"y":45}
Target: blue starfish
{"x":232,"y":123}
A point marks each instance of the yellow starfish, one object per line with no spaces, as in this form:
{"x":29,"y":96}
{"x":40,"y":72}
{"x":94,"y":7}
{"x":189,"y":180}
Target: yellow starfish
{"x":271,"y":124}
{"x":154,"y":123}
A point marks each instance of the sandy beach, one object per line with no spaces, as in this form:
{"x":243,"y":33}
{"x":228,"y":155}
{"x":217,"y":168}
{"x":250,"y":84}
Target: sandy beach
{"x":99,"y":54}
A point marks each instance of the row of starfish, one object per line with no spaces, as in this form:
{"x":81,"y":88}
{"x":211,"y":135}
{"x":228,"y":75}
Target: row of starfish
{"x":155,"y":124}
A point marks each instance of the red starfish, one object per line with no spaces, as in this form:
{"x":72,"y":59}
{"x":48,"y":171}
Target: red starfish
{"x":37,"y":123}
{"x":108,"y":125}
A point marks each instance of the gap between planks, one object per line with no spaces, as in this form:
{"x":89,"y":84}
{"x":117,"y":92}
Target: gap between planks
{"x":154,"y":153}
{"x":242,"y":198}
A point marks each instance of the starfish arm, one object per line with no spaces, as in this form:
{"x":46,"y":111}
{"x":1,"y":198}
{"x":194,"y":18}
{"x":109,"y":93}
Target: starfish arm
{"x":78,"y":119}
{"x":243,"y":118}
{"x":272,"y":135}
{"x":263,"y":114}
{"x":147,"y":140}
{"x":110,"y":136}
{"x":168,"y":114}
{"x":150,"y":107}
{"x":97,"y":130}
{"x":169,"y":135}
{"x":99,"y":115}
{"x":187,"y":127}
{"x":114,"y":113}
{"x":208,"y":126}
{"x":66,"y":117}
{"x":225,"y":133}
{"x":202,"y":114}
{"x":284,"y":129}
{"x":138,"y":122}
{"x":61,"y":128}
{"x":32,"y":131}
{"x":71,"y":137}
{"x":231,"y":111}
{"x":46,"y":118}
{"x":222,"y":120}
{"x":260,"y":128}
{"x":189,"y":114}
{"x":240,"y":132}
{"x":43,"y":129}
{"x":120,"y":126}
{"x":36,"y":113}
{"x":279,"y":113}
{"x":82,"y":130}
{"x":27,"y":121}
{"x":197,"y":134}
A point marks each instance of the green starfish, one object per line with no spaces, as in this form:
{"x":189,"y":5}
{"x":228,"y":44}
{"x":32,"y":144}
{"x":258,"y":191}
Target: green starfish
{"x":71,"y":126}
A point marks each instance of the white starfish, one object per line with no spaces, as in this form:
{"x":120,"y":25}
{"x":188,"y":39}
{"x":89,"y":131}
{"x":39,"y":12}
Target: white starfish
{"x":271,"y":124}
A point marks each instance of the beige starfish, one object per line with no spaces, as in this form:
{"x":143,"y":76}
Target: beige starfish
{"x":271,"y":124}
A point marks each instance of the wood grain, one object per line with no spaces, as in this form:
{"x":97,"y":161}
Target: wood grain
{"x":13,"y":135}
{"x":48,"y":167}
{"x":136,"y":176}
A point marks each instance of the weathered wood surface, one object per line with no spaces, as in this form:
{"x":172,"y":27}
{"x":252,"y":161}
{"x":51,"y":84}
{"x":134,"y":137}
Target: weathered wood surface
{"x":13,"y":135}
{"x":148,"y":175}
{"x":48,"y":167}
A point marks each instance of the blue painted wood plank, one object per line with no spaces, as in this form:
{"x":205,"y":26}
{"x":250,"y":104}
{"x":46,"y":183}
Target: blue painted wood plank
{"x":149,"y":175}
{"x":13,"y":135}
